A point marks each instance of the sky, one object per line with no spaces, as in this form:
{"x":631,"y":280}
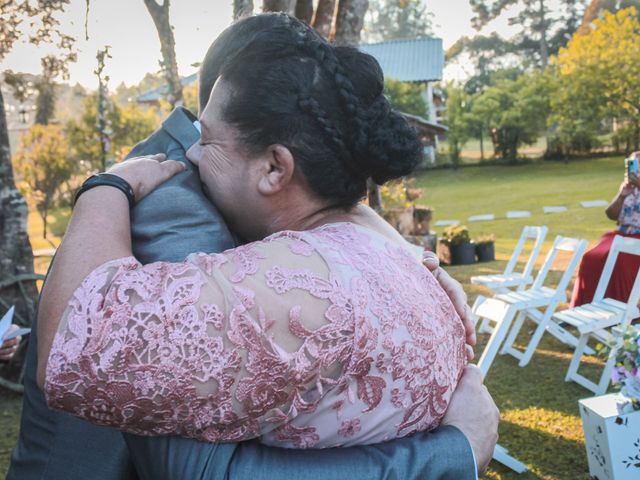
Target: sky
{"x":127,"y":27}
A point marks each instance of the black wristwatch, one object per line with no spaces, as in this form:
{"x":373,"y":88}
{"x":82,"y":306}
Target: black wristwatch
{"x":107,"y":179}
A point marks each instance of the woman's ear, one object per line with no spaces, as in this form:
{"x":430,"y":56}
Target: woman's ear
{"x":277,"y":173}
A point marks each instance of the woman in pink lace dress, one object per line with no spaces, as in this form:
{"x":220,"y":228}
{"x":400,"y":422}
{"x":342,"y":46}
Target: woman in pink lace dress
{"x":328,"y":332}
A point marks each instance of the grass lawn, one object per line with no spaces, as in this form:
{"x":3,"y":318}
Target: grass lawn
{"x":540,"y":421}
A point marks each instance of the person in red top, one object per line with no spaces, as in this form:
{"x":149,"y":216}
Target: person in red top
{"x":625,"y":210}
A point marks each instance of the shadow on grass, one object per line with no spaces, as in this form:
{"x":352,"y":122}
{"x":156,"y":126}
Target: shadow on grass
{"x":540,"y":383}
{"x":548,"y":456}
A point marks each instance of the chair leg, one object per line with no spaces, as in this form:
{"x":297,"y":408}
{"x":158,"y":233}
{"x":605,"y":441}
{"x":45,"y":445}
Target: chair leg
{"x":577,"y":357}
{"x":537,"y":335}
{"x":485,"y":326}
{"x":499,"y":332}
{"x":513,"y":334}
{"x":606,"y":373}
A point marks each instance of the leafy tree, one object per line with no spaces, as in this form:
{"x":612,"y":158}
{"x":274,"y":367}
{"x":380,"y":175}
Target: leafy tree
{"x":458,"y":119}
{"x":52,"y":67}
{"x":537,"y":20}
{"x":128,"y":126}
{"x":406,"y":97}
{"x":397,"y":19}
{"x":597,"y":77}
{"x":16,"y":256}
{"x":43,"y":162}
{"x":191,"y":96}
{"x":515,"y":112}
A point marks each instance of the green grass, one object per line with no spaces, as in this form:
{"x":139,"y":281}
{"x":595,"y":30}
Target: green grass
{"x":540,"y":421}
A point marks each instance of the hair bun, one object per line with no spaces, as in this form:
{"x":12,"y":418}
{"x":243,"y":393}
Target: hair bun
{"x":384,"y":145}
{"x":392,"y":148}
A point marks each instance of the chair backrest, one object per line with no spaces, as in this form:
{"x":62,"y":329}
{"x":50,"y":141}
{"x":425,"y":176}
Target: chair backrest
{"x":536,"y":233}
{"x":561,"y":244}
{"x":619,"y":245}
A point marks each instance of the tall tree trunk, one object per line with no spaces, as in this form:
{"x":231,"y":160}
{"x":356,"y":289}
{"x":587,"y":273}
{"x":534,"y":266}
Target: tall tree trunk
{"x":304,"y":10}
{"x":16,"y":255}
{"x":160,"y":16}
{"x":287,"y":6}
{"x":242,"y":8}
{"x":349,"y":22}
{"x":323,"y":17}
{"x":544,"y":47}
{"x":593,"y":11}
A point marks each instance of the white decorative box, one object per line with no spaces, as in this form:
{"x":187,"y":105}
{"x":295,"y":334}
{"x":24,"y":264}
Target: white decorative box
{"x":612,"y":440}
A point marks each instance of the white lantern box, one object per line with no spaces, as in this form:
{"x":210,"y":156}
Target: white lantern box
{"x":612,"y":439}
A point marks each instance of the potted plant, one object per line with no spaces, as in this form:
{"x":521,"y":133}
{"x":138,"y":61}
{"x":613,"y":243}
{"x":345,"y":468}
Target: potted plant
{"x":485,"y":248}
{"x":458,"y":248}
{"x":611,"y":422}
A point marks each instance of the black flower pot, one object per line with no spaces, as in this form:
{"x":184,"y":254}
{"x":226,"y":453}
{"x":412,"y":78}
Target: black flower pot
{"x":486,"y":252}
{"x":463,"y":253}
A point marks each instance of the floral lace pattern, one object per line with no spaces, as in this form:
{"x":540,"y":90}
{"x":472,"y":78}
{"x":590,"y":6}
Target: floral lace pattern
{"x":334,"y":336}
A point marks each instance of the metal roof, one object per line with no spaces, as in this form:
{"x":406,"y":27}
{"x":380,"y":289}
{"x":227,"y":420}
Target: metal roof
{"x":416,"y":60}
{"x":157,"y":93}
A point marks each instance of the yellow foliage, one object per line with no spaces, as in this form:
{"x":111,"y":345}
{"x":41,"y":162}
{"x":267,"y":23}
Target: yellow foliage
{"x":604,"y":64}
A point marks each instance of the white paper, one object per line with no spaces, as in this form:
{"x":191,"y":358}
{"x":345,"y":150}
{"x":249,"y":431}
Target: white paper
{"x":5,"y":323}
{"x":17,"y":333}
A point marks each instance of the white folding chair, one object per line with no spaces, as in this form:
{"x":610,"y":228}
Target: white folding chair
{"x":504,"y":282}
{"x":593,"y":319}
{"x":514,"y":307}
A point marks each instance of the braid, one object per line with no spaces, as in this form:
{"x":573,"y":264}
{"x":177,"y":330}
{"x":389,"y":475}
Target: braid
{"x":311,"y":106}
{"x":326,"y":59}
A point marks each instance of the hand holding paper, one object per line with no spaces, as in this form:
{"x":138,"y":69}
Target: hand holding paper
{"x":9,"y":336}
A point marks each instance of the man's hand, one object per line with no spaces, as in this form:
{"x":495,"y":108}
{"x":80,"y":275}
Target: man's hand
{"x":457,"y":296}
{"x":474,"y":413}
{"x":9,"y":348}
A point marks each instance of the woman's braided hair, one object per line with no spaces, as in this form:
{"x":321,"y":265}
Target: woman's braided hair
{"x":324,"y":103}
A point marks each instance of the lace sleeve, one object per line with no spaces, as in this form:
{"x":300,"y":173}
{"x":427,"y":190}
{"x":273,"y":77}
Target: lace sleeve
{"x":221,"y":347}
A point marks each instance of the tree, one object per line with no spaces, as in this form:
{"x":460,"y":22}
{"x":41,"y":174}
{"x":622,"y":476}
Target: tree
{"x":406,"y":97}
{"x":597,"y":76}
{"x":128,"y":126}
{"x":52,"y":67}
{"x":323,"y":17}
{"x":458,"y":120}
{"x":515,"y":112}
{"x":487,"y":54}
{"x":17,"y":279}
{"x":242,"y":8}
{"x":169,"y":64}
{"x":596,"y":7}
{"x":44,"y":164}
{"x":304,"y":10}
{"x":546,"y":26}
{"x":349,"y":20}
{"x":397,"y":19}
{"x":287,"y":6}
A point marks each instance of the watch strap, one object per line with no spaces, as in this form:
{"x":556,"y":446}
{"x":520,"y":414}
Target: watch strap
{"x":109,"y":180}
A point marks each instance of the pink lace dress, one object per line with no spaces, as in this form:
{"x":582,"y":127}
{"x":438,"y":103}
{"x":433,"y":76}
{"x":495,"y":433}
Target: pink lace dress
{"x":329,"y":337}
